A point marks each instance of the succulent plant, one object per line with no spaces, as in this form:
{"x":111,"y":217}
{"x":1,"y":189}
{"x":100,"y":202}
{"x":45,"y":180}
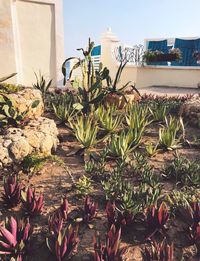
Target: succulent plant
{"x":14,"y":238}
{"x":156,"y":219}
{"x":64,"y":208}
{"x":90,"y":210}
{"x":65,"y":244}
{"x":110,"y":251}
{"x":12,"y":192}
{"x":55,"y":223}
{"x":159,"y":251}
{"x":32,"y":203}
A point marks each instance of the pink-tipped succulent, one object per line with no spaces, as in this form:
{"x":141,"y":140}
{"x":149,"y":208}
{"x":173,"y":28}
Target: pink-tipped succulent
{"x":12,"y":192}
{"x":111,"y":213}
{"x":32,"y":203}
{"x":156,"y":219}
{"x":64,"y":208}
{"x":14,"y":238}
{"x":55,"y":223}
{"x":90,"y":210}
{"x":65,"y":244}
{"x":159,"y":251}
{"x":111,"y":250}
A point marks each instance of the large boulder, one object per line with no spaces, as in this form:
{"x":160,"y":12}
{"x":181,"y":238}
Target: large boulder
{"x":190,"y":111}
{"x":23,"y":100}
{"x":38,"y":136}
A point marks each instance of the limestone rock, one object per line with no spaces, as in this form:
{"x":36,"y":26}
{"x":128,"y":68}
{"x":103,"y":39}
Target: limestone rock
{"x":39,"y":136}
{"x":24,"y":99}
{"x":190,"y":110}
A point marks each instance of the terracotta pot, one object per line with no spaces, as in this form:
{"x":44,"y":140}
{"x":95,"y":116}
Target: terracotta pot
{"x":119,"y":101}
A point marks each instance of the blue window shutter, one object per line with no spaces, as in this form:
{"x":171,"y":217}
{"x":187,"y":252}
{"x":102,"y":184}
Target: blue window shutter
{"x":187,"y":48}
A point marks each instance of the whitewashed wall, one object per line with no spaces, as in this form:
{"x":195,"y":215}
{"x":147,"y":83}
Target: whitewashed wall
{"x":31,"y":39}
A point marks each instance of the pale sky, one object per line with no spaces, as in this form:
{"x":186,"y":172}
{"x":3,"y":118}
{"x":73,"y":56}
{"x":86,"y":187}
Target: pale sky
{"x":132,"y":21}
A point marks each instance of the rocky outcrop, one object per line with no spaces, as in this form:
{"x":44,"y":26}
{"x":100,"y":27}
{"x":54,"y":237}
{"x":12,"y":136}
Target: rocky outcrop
{"x":39,"y":136}
{"x":23,"y":100}
{"x":190,"y":111}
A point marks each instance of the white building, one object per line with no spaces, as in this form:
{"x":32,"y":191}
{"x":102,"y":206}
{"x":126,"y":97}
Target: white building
{"x":31,"y":39}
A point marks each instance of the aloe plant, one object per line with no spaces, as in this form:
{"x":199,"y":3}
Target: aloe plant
{"x":65,"y":244}
{"x":107,"y":118}
{"x":32,"y":203}
{"x":64,"y":112}
{"x":12,"y":192}
{"x":159,"y":111}
{"x":137,"y":117}
{"x":42,"y":85}
{"x":151,"y":149}
{"x":120,"y":145}
{"x":15,"y":238}
{"x":85,"y":130}
{"x":111,"y":250}
{"x":168,"y":134}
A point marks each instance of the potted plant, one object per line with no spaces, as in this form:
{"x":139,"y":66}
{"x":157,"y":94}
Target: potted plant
{"x":128,"y":92}
{"x":174,"y":54}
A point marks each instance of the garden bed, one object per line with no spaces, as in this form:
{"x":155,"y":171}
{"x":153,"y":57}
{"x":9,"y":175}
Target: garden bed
{"x":57,"y":176}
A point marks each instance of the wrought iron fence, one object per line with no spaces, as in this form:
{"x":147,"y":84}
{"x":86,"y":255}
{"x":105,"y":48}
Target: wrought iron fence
{"x":134,"y":55}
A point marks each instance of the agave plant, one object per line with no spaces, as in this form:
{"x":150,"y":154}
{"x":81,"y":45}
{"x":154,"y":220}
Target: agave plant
{"x":159,"y":251}
{"x":42,"y":85}
{"x":120,"y":145}
{"x":151,"y":149}
{"x":159,"y":111}
{"x":32,"y":203}
{"x":65,"y":244}
{"x":64,"y":111}
{"x":110,"y":251}
{"x":156,"y":219}
{"x":107,"y":118}
{"x":12,"y":192}
{"x":85,"y":130}
{"x":168,"y":134}
{"x":137,"y":117}
{"x":14,"y":238}
{"x":90,"y":210}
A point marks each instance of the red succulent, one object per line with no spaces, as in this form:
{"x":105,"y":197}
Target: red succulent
{"x":110,"y":251}
{"x":65,"y":244}
{"x":156,"y":219}
{"x":90,"y":210}
{"x":12,"y":192}
{"x":32,"y":203}
{"x":14,"y":238}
